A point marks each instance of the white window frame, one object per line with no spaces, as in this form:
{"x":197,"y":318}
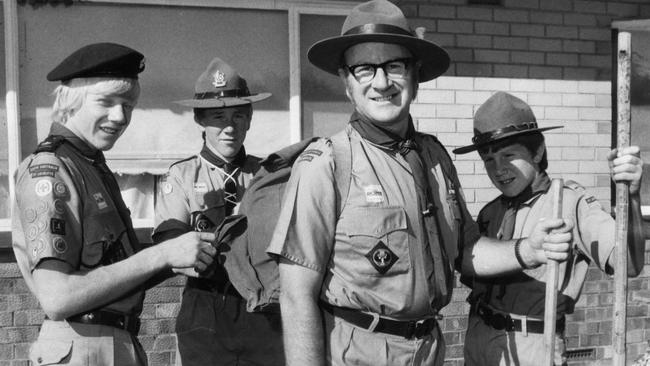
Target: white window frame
{"x":294,"y":9}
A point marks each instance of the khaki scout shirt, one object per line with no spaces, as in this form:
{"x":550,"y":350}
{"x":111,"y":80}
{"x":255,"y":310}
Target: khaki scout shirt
{"x":194,"y":184}
{"x":64,"y":210}
{"x":372,"y":256}
{"x":593,"y":241}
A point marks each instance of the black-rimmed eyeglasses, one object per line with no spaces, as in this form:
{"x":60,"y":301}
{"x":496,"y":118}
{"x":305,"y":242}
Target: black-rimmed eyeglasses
{"x":394,"y":69}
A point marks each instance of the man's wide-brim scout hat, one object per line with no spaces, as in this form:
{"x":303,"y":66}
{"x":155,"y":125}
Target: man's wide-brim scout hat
{"x":379,"y":21}
{"x":502,"y":116}
{"x":220,"y":86}
{"x":99,"y":60}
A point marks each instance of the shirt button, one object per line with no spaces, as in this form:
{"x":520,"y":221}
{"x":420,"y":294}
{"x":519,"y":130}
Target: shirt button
{"x":39,"y":360}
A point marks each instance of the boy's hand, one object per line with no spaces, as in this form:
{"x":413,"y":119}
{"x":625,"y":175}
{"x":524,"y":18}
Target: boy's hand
{"x":550,"y":239}
{"x":189,"y":253}
{"x":626,"y":166}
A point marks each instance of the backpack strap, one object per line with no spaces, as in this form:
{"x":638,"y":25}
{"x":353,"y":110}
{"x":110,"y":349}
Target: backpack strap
{"x":342,"y":150}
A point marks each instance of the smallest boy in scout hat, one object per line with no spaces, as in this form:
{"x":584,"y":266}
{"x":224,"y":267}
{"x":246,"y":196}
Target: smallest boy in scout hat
{"x":73,"y":237}
{"x":511,"y":145}
{"x":214,"y":327}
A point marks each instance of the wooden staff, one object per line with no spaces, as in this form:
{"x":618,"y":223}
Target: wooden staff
{"x":550,"y":306}
{"x":622,"y":196}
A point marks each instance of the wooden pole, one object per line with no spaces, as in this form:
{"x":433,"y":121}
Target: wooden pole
{"x":550,"y":305}
{"x":622,"y":196}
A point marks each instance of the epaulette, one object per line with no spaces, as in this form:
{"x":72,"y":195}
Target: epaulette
{"x":184,"y":160}
{"x":50,"y":144}
{"x":573,"y":185}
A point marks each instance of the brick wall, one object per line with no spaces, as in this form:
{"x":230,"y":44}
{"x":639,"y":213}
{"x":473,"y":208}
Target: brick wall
{"x":539,"y":39}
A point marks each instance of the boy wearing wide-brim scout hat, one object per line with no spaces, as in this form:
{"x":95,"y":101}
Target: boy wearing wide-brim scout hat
{"x":507,"y":309}
{"x":73,"y":237}
{"x":213,"y":326}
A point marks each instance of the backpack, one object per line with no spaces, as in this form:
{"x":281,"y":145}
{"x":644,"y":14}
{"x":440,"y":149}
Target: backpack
{"x":252,"y":272}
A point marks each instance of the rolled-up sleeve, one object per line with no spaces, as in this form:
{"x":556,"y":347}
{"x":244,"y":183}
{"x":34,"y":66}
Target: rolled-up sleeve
{"x":305,"y":231}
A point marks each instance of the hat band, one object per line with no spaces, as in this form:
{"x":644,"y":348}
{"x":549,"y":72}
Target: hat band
{"x":377,"y":28}
{"x":230,"y":93}
{"x":492,"y":135}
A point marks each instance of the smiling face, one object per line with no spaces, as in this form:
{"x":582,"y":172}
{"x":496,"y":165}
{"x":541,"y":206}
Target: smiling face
{"x":382,"y":100}
{"x":513,"y":167}
{"x":104,"y":111}
{"x":225,"y":128}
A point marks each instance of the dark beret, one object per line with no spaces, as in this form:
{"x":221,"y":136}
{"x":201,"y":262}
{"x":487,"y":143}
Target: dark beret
{"x":99,"y":59}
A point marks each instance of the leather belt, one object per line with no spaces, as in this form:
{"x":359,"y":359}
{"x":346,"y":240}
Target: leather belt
{"x":375,"y":323}
{"x":129,"y":323}
{"x":503,"y":321}
{"x":212,"y":286}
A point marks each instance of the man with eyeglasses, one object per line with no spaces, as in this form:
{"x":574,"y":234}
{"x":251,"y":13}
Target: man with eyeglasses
{"x":365,"y":273}
{"x":199,"y":193}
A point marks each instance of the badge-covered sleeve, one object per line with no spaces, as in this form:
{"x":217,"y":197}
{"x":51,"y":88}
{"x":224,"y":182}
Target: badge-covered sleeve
{"x":49,"y":211}
{"x":596,"y":229}
{"x":172,"y":212}
{"x":306,"y":226}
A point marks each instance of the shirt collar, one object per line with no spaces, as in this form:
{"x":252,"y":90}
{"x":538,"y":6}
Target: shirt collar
{"x":528,"y":196}
{"x":79,"y":144}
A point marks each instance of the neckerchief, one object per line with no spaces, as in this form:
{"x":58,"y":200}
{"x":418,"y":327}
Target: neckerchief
{"x":216,"y":160}
{"x":386,"y":137}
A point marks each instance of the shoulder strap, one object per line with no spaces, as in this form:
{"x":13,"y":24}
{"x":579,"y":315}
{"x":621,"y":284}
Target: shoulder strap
{"x":342,"y":149}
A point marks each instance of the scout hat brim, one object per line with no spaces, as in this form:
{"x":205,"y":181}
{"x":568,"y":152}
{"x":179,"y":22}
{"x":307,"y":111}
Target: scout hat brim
{"x":327,"y":54}
{"x":222,"y":102}
{"x":495,"y":136}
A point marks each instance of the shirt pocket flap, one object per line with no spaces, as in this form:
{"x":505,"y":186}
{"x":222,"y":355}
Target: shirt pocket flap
{"x":376,"y":221}
{"x":50,"y":352}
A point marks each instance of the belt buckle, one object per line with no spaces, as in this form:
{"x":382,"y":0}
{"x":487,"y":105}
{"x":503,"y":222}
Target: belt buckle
{"x":418,"y":329}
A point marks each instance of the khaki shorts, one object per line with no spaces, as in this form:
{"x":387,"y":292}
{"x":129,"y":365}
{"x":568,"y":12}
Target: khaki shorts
{"x":486,"y":346}
{"x":350,"y":345}
{"x":75,"y":344}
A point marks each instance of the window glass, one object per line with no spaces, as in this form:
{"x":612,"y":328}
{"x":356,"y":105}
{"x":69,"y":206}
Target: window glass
{"x":178,"y":43}
{"x":325,"y":108}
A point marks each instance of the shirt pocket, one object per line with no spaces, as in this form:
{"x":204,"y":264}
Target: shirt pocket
{"x":50,"y":352}
{"x":378,"y":240}
{"x":104,"y":239}
{"x":212,"y":206}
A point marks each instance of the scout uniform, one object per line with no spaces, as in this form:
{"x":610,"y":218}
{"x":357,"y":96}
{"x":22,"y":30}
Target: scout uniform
{"x":376,"y":258}
{"x":213,"y":326}
{"x":69,"y":208}
{"x":506,"y":322}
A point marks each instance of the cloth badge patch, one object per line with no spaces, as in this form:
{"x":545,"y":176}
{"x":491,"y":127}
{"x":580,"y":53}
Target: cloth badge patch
{"x":167,"y":188}
{"x":309,"y":155}
{"x":41,"y":225}
{"x":60,"y":189}
{"x":43,"y":187}
{"x":42,"y":207}
{"x":381,"y":257}
{"x":374,"y":194}
{"x":200,"y":187}
{"x":59,"y":207}
{"x":43,"y":170}
{"x":59,"y":245}
{"x":38,"y":247}
{"x":57,"y":226}
{"x":99,"y":199}
{"x":32,"y":232}
{"x":590,"y":199}
{"x":29,"y":214}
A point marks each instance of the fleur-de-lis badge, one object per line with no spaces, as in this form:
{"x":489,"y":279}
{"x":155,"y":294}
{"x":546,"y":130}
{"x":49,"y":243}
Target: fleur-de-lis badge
{"x":219,"y":79}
